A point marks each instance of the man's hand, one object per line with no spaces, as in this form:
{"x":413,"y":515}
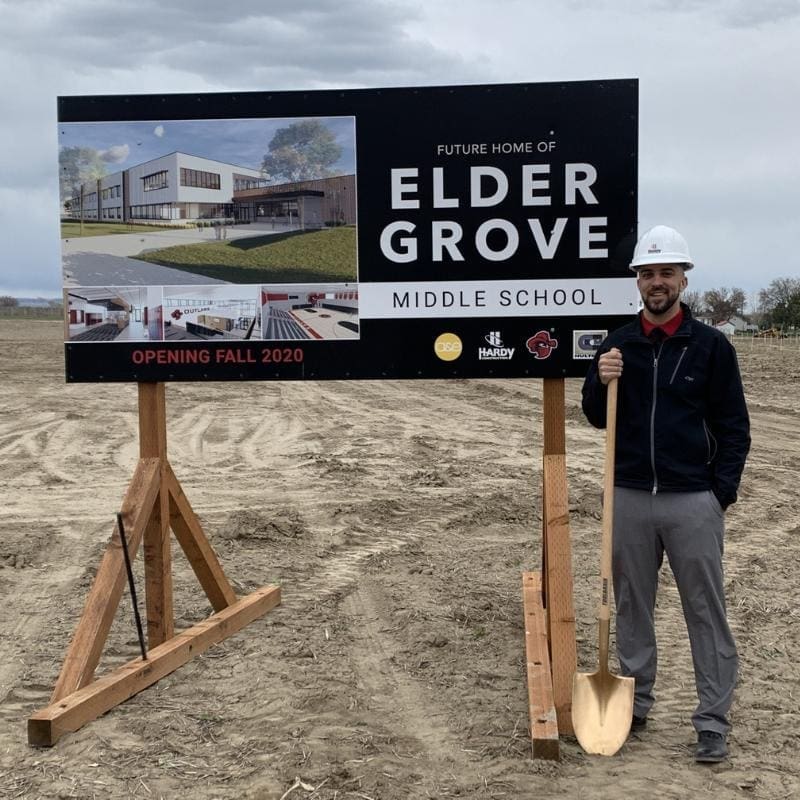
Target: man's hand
{"x":609,"y":365}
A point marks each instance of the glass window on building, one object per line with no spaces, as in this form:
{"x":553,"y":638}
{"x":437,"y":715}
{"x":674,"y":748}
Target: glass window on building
{"x":158,"y":180}
{"x":200,"y":179}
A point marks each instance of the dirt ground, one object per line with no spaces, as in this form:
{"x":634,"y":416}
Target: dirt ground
{"x":397,"y":518}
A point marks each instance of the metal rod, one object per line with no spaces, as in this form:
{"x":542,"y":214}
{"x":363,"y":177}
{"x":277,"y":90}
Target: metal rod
{"x":132,"y":586}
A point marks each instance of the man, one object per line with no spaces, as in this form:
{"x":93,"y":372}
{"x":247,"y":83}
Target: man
{"x":683,"y":435}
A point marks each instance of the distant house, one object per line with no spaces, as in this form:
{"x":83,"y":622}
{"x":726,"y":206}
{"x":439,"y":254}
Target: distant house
{"x":727,"y":327}
{"x":741,"y":324}
{"x":733,"y":325}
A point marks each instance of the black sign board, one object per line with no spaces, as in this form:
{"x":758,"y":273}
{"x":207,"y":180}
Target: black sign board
{"x":454,"y":231}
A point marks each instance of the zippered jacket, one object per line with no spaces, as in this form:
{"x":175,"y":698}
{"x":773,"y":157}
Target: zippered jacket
{"x":682,"y":421}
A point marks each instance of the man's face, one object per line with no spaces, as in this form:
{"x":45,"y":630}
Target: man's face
{"x":660,"y":286}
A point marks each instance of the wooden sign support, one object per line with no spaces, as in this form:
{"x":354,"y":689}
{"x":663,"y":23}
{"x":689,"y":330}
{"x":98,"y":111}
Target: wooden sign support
{"x":153,"y":504}
{"x":548,"y":607}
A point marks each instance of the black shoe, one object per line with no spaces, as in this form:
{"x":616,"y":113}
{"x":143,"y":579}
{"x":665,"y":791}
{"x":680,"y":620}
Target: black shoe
{"x":638,"y":724}
{"x":711,"y":747}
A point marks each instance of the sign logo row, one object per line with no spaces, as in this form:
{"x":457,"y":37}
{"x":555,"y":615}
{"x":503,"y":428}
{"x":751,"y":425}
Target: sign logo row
{"x":448,"y":346}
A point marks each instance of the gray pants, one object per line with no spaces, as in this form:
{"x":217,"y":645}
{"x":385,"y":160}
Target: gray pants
{"x":689,"y":527}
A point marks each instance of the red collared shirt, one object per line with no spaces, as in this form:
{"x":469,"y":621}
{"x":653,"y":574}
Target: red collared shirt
{"x":668,"y":328}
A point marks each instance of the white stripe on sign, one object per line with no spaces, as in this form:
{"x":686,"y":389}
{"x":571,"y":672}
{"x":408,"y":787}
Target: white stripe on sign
{"x":522,"y":298}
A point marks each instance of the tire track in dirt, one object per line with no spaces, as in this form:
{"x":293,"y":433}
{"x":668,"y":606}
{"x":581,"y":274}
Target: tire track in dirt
{"x":186,"y":433}
{"x":27,"y":626}
{"x":397,"y":703}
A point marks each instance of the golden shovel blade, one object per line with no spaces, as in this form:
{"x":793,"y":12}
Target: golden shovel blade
{"x":602,"y":711}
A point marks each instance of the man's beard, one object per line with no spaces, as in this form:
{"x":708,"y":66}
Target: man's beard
{"x":661,"y":303}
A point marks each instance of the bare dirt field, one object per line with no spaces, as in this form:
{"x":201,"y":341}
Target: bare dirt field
{"x":397,"y":518}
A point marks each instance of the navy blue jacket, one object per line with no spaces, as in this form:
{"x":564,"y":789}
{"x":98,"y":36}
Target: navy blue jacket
{"x":682,"y":422}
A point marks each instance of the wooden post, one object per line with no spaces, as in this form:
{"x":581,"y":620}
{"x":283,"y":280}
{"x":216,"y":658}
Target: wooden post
{"x":557,"y":577}
{"x":154,"y":503}
{"x":157,"y":552}
{"x":550,"y":644}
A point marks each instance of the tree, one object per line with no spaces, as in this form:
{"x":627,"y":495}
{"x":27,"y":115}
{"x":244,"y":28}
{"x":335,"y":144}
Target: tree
{"x":78,"y":165}
{"x":780,"y":303}
{"x":302,"y":151}
{"x":6,"y":301}
{"x":723,"y":303}
{"x":695,"y":302}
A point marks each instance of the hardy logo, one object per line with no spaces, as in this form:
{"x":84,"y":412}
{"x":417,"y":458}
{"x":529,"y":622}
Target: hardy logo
{"x":541,"y":345}
{"x":497,"y":352}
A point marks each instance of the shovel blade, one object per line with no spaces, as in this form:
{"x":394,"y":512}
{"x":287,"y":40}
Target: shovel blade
{"x":602,"y":711}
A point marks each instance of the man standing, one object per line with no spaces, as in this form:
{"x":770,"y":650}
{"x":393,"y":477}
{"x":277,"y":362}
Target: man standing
{"x":683,"y":434}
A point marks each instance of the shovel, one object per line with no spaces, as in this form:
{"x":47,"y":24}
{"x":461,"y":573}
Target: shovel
{"x":602,"y":703}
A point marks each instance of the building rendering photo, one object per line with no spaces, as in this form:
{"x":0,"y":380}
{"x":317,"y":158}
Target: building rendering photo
{"x":206,"y":201}
{"x":171,"y":188}
{"x":179,"y":188}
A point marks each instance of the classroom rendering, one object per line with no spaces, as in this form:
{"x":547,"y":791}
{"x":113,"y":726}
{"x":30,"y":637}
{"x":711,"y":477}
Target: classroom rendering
{"x":113,"y":314}
{"x":211,"y":313}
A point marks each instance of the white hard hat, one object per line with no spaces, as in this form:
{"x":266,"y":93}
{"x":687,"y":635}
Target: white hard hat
{"x":661,"y":245}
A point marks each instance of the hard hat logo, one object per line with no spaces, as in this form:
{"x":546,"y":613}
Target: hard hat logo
{"x":661,"y":245}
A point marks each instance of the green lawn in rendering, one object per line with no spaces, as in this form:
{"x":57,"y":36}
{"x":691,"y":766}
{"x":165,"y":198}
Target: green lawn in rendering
{"x":327,"y":255}
{"x":72,"y":230}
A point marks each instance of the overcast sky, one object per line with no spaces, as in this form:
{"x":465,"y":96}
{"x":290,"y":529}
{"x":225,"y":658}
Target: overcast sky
{"x":719,"y":114}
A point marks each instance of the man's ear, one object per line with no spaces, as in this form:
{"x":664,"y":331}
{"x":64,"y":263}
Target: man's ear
{"x":684,"y":282}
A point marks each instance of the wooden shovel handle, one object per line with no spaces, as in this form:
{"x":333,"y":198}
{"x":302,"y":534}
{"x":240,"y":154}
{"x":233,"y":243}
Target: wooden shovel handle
{"x":608,"y":501}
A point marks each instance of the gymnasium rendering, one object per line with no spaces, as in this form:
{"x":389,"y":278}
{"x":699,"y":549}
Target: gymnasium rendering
{"x":299,"y":312}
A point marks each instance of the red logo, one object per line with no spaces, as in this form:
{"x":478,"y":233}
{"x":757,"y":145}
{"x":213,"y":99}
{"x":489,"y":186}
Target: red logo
{"x":541,"y":345}
{"x":176,"y":314}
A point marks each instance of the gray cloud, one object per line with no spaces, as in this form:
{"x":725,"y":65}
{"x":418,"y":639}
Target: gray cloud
{"x":337,"y":43}
{"x":115,"y":154}
{"x":718,"y":88}
{"x":734,"y":13}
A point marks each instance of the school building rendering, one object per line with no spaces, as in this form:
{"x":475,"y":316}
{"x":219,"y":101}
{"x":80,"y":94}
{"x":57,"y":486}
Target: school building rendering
{"x":179,"y":188}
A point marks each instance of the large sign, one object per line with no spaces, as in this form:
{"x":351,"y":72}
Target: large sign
{"x":456,"y":231}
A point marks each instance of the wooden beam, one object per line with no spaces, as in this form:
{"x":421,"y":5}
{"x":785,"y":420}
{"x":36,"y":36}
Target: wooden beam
{"x":553,"y":416}
{"x":541,"y":707}
{"x":554,"y":443}
{"x":152,"y":421}
{"x":544,"y":538}
{"x":558,"y":580}
{"x":158,"y":573}
{"x":196,"y":546}
{"x":71,"y":712}
{"x":90,"y":634}
{"x":157,"y":553}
